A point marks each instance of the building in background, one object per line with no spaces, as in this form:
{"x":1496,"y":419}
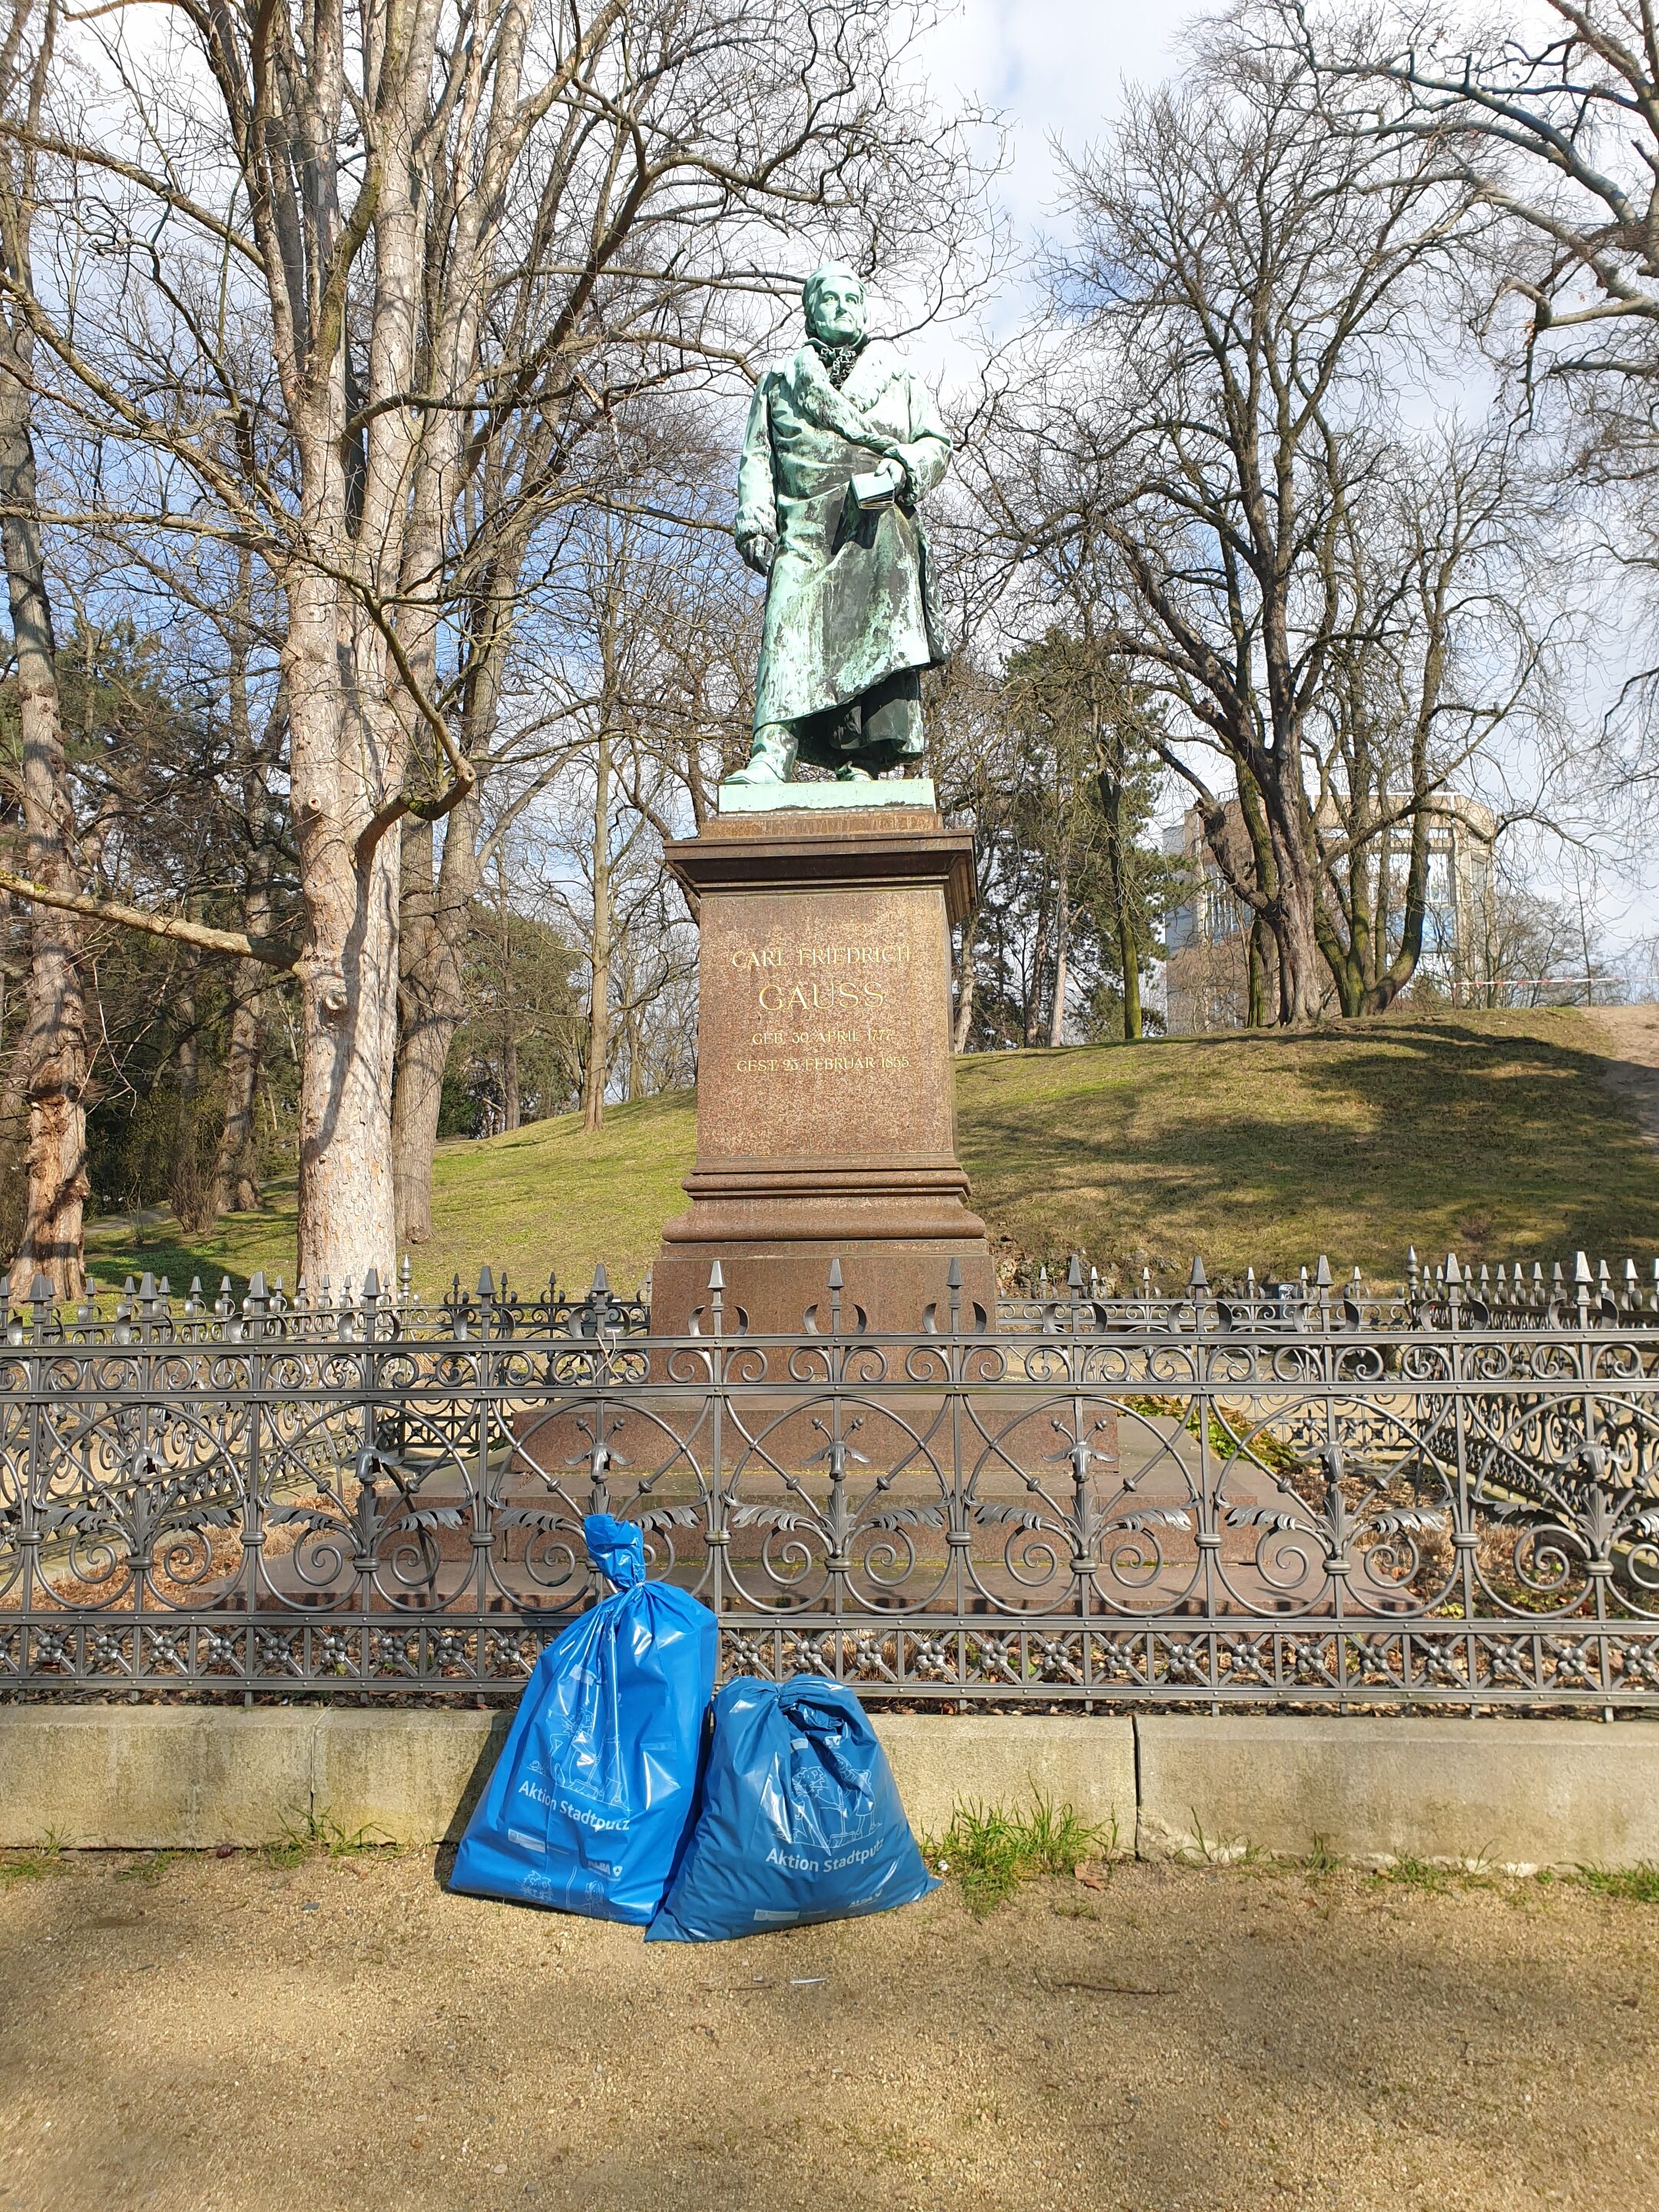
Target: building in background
{"x":1208,"y":938}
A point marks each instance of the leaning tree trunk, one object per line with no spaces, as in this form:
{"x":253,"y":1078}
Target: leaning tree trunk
{"x":53,"y":1053}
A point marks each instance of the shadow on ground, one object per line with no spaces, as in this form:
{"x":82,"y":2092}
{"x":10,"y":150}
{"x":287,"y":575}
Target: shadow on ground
{"x":1500,"y":1138}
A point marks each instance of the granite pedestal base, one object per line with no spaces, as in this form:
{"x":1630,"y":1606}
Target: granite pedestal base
{"x":826,"y":1125}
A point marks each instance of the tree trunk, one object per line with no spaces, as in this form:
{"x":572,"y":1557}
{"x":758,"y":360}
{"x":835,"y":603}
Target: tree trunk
{"x":599,"y":995}
{"x":509,"y":1004}
{"x":349,"y":966}
{"x":963,"y":1028}
{"x":1030,"y":1026}
{"x":435,"y":919}
{"x":236,"y":1163}
{"x":1129,"y":960}
{"x":1057,"y":1004}
{"x":234,"y":1187}
{"x":1296,"y":930}
{"x":13,"y":1148}
{"x":1255,"y":958}
{"x":1111,"y":799}
{"x":191,"y":1192}
{"x":509,"y":1082}
{"x":54,"y":1057}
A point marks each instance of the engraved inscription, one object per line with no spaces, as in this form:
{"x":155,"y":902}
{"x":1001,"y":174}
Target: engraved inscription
{"x":814,"y":1004}
{"x":824,"y":1026}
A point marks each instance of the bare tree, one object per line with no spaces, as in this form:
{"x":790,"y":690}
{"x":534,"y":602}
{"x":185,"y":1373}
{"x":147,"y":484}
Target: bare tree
{"x":1246,"y":284}
{"x":1552,"y":120}
{"x":1549,"y":124}
{"x":1447,"y":641}
{"x":461,"y":241}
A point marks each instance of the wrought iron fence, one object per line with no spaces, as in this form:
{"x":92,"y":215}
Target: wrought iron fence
{"x":1310,"y":1492}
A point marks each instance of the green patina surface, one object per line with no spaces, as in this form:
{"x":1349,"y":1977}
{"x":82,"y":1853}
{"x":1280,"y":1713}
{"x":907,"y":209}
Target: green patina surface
{"x":843,"y":441}
{"x":825,"y":798}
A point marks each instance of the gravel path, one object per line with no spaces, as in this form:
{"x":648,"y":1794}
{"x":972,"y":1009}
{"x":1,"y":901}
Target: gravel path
{"x":229,"y":2037}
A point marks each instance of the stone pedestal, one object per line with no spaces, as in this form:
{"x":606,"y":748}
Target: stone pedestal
{"x":826,"y":1125}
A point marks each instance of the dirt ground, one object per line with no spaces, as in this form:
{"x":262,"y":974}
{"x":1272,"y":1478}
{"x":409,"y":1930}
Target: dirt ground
{"x":1632,"y":1069}
{"x":228,"y":2036}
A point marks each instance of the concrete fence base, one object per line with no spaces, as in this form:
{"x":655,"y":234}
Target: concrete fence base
{"x":1515,"y":1794}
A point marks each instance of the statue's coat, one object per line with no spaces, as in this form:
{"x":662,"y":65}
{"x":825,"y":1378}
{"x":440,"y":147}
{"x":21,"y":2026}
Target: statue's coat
{"x":849,"y":601}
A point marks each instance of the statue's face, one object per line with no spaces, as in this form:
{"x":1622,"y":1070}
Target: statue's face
{"x":835,"y":313}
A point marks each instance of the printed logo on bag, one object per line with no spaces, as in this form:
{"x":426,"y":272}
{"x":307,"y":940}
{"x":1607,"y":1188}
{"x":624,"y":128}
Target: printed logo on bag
{"x":842,"y":1827}
{"x":584,"y":1760}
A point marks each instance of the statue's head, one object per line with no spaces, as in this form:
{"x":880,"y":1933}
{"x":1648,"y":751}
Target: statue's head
{"x":833,"y":296}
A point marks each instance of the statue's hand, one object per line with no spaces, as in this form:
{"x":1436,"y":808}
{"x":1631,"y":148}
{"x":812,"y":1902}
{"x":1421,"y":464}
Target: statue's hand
{"x":758,"y":552}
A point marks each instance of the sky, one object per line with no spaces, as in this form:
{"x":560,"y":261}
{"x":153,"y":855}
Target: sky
{"x":1054,"y":68}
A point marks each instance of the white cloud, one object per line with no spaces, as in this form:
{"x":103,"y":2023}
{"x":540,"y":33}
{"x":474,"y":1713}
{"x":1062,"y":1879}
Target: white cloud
{"x":1056,"y":69}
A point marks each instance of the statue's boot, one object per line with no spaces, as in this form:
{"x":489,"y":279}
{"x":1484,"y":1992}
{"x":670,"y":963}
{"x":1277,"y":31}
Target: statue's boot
{"x":848,"y":772}
{"x":771,"y":757}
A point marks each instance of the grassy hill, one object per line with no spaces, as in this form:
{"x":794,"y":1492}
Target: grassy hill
{"x":1496,"y":1135}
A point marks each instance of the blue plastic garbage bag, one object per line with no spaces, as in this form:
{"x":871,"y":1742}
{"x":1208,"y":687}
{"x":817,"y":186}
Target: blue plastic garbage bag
{"x":799,"y":1819}
{"x":591,"y":1799}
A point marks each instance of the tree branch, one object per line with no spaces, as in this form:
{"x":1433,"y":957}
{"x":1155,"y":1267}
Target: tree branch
{"x":235,"y":943}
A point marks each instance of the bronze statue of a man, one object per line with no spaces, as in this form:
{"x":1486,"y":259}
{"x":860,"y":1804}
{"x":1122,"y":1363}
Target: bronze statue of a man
{"x":843,"y":439}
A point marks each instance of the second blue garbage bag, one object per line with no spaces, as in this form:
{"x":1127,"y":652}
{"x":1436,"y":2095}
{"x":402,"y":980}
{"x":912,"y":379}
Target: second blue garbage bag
{"x":799,"y":1819}
{"x":593,"y":1794}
